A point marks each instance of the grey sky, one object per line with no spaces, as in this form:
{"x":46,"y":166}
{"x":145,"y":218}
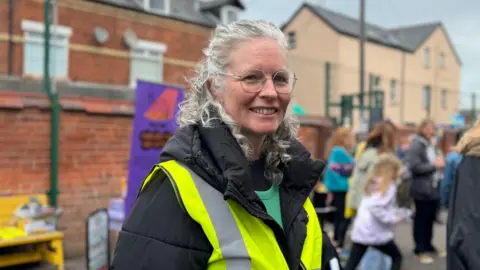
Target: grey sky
{"x":461,"y":19}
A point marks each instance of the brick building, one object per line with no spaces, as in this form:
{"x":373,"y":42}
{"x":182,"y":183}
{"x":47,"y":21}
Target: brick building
{"x":99,"y":49}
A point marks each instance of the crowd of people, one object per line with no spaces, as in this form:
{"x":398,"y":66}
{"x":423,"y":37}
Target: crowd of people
{"x":383,"y":180}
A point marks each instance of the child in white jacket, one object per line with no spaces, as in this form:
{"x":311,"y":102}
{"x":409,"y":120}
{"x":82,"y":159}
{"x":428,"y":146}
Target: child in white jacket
{"x":375,"y":222}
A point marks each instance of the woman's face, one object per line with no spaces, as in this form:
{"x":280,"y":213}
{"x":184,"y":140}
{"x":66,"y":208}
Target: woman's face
{"x":429,"y":130}
{"x":349,"y":141}
{"x":261,"y":113}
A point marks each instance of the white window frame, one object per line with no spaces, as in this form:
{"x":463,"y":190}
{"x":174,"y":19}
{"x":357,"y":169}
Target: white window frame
{"x":393,"y":91}
{"x":292,"y":39}
{"x":165,"y":10}
{"x":30,"y":28}
{"x":150,"y":47}
{"x":441,"y":60}
{"x":377,"y":83}
{"x":444,"y":99}
{"x":225,"y":10}
{"x":426,"y":97}
{"x":426,"y":57}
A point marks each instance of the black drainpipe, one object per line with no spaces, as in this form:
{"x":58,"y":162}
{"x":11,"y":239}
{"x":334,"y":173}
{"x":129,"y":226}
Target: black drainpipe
{"x":11,"y":5}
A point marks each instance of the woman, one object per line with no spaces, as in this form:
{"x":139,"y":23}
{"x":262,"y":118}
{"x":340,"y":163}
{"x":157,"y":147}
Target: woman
{"x":423,"y":165}
{"x":231,"y":189}
{"x":340,"y":166}
{"x":463,"y":242}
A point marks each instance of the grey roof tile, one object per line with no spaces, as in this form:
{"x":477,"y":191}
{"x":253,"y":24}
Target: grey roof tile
{"x":408,"y":38}
{"x":414,"y":36}
{"x":184,"y":10}
{"x":211,"y":4}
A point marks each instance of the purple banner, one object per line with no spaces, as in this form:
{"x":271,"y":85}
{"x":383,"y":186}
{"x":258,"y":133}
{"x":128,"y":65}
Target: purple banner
{"x":154,"y":122}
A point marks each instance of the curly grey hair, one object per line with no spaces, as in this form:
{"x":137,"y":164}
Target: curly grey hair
{"x":199,"y":101}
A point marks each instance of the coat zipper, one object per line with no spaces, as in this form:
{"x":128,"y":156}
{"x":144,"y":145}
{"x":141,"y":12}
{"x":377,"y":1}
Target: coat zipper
{"x":175,"y":189}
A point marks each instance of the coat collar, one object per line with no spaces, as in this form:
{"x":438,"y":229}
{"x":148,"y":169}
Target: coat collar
{"x":214,"y":154}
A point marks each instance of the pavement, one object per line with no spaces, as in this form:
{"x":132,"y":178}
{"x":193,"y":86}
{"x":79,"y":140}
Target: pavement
{"x":403,"y":238}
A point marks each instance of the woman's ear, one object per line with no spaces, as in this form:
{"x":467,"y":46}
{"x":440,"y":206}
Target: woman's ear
{"x":210,"y":85}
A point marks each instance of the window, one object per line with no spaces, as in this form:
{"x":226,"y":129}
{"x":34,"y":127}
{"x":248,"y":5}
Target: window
{"x":157,"y":5}
{"x":147,"y":62}
{"x":393,"y":92}
{"x":377,"y":83}
{"x":374,"y":84}
{"x":426,"y":57}
{"x":291,"y":40}
{"x":442,"y":60}
{"x":33,"y":53}
{"x":229,"y":14}
{"x":444,"y":98}
{"x":426,"y":97}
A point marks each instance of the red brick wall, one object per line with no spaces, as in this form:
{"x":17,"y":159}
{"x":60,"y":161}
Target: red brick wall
{"x":94,"y":149}
{"x":93,"y":158}
{"x":314,"y":139}
{"x":184,"y":41}
{"x":3,"y":57}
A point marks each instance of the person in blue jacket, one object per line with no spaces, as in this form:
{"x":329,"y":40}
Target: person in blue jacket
{"x":339,"y":168}
{"x":451,"y":163}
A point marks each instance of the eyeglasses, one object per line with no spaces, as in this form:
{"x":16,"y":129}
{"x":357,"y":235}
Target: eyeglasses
{"x":253,"y":81}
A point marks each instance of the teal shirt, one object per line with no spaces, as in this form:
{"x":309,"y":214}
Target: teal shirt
{"x":271,"y":200}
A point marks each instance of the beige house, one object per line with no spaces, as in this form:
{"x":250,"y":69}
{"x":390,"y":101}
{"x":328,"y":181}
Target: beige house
{"x":417,"y":66}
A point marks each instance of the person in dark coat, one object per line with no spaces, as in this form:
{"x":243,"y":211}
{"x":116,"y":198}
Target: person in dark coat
{"x":424,"y":165}
{"x":238,"y":139}
{"x":463,"y":225}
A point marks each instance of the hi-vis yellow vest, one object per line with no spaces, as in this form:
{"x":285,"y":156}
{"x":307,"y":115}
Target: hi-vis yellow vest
{"x":240,"y":241}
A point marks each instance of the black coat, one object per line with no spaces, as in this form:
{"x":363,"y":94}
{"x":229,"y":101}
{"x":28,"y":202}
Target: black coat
{"x":158,"y":234}
{"x":463,"y":226}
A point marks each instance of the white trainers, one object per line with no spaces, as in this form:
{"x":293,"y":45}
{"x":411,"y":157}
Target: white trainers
{"x":442,"y":254}
{"x":425,"y":259}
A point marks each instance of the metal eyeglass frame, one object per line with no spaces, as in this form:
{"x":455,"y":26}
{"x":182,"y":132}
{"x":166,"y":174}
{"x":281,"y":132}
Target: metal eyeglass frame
{"x":239,"y":78}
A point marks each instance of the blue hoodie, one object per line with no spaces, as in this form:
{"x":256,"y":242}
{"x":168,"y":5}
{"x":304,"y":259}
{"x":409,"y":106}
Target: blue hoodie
{"x":334,"y":181}
{"x":451,"y":163}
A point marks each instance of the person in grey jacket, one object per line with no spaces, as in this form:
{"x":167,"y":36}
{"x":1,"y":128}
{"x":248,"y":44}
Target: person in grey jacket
{"x":423,"y":165}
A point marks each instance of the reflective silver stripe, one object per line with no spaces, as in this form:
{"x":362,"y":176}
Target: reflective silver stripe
{"x":334,"y":264}
{"x":229,"y":237}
